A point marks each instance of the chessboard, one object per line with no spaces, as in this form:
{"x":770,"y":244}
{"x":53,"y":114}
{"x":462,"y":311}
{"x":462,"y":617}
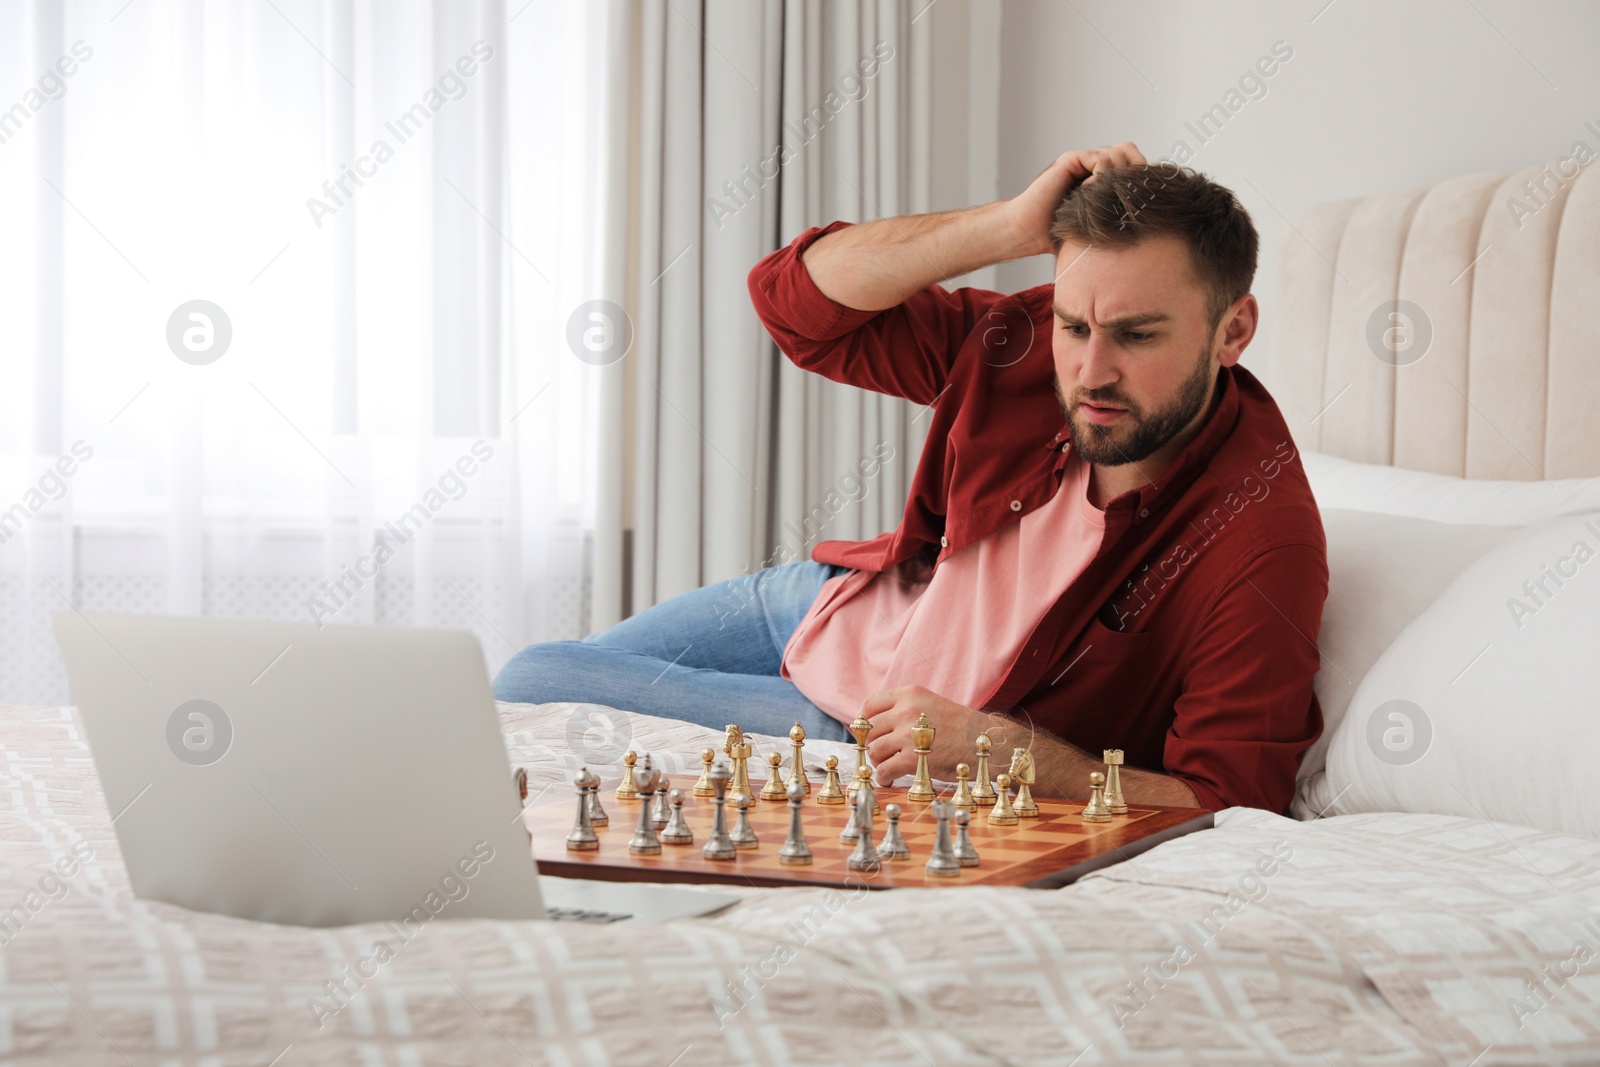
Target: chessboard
{"x":1053,"y":849}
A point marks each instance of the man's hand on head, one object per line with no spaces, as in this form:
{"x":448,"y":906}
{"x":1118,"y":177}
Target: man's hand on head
{"x":893,"y":712}
{"x":1031,"y":211}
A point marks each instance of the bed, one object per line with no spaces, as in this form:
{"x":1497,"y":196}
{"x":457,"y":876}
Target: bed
{"x":1390,"y":924}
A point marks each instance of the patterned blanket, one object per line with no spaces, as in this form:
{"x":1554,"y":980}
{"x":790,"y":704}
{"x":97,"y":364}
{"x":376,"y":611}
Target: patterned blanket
{"x":1373,"y":939}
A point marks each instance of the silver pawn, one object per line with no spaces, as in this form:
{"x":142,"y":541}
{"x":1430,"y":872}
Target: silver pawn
{"x":795,"y":852}
{"x":644,"y":841}
{"x":743,"y":835}
{"x":894,"y":845}
{"x":965,"y":854}
{"x":583,"y":838}
{"x":662,"y":811}
{"x":677,"y":831}
{"x":865,"y":855}
{"x":849,"y":834}
{"x":597,"y":814}
{"x":942,"y":862}
{"x":719,"y":846}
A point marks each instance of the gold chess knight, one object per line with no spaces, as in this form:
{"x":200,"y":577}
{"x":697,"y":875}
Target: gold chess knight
{"x":1022,"y":773}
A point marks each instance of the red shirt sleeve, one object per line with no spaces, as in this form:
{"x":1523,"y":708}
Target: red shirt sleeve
{"x":1247,"y":712}
{"x":904,"y":351}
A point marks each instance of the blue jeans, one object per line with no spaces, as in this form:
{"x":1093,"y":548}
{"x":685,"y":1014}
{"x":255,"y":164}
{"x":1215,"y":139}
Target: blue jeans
{"x":709,"y":656}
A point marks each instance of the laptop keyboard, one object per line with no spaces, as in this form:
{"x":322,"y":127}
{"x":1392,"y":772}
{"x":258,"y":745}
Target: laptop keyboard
{"x":586,"y":915}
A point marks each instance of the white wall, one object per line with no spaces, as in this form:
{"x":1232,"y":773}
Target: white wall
{"x":1378,"y":94}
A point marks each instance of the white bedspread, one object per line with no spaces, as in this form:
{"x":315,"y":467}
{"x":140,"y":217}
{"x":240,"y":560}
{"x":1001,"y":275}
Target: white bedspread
{"x":1376,"y":939}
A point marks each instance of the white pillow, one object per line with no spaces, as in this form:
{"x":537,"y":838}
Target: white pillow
{"x":1341,"y":483}
{"x":1500,"y":680}
{"x":1383,"y":571}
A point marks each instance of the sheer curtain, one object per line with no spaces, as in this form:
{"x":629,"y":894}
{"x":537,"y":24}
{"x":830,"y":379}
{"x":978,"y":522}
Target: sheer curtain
{"x":294,"y":315}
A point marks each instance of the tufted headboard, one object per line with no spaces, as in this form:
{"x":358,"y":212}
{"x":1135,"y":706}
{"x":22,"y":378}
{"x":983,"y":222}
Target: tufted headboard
{"x":1493,"y":280}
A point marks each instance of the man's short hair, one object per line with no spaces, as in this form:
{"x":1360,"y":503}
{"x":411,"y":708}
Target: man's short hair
{"x":1125,"y":205}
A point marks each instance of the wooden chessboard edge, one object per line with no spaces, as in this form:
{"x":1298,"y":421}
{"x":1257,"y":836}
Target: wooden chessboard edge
{"x":1204,"y":821}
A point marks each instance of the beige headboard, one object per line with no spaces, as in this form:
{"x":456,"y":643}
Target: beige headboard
{"x":1505,"y":270}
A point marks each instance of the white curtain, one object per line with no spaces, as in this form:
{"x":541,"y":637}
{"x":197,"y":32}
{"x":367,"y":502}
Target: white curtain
{"x":286,"y":293}
{"x":748,"y":120}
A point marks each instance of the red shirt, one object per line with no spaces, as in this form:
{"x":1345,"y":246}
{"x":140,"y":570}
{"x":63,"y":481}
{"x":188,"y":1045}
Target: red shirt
{"x":1189,"y":641}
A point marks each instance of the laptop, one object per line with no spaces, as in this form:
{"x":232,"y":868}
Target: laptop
{"x":319,"y":776}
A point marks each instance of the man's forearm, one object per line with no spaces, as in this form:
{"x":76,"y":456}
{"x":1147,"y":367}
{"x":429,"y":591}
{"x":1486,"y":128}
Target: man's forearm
{"x":875,"y":265}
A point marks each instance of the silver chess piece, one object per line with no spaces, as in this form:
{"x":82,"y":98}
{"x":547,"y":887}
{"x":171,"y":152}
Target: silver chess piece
{"x":942,"y":862}
{"x":795,"y":852}
{"x":965,"y":854}
{"x":743,"y":834}
{"x":865,"y":855}
{"x":663,"y":809}
{"x":644,"y":841}
{"x":597,"y":814}
{"x":583,"y":838}
{"x":677,"y":830}
{"x":719,"y":846}
{"x":894,"y":845}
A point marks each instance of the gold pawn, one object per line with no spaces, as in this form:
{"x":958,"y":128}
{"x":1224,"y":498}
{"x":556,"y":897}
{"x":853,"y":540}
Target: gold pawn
{"x":983,"y":792}
{"x":864,"y":776}
{"x":1114,"y":800}
{"x":921,"y":791}
{"x":774,"y":789}
{"x":797,"y":769}
{"x":628,"y":789}
{"x":830,"y":793}
{"x":964,"y":800}
{"x":1096,"y":810}
{"x":703,"y":788}
{"x":1003,"y":814}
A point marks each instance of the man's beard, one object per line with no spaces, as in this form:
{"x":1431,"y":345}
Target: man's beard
{"x":1112,"y":446}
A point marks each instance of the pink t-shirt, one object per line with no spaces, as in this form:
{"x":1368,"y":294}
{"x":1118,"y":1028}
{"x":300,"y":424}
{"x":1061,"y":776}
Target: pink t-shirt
{"x":956,"y":628}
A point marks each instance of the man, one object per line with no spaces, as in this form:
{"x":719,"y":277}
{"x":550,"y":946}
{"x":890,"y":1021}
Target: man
{"x":1110,"y":542}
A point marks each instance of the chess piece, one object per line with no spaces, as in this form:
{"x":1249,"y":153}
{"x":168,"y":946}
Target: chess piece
{"x":864,"y":781}
{"x":797,"y":769}
{"x":719,"y":846}
{"x":663,"y":809}
{"x":795,"y":852}
{"x":859,"y":730}
{"x":644,"y":841}
{"x":894,"y":845}
{"x":743,"y":834}
{"x":628,"y":789}
{"x":921,"y":791}
{"x":965,"y":854}
{"x":1003,"y":814}
{"x":738,"y":750}
{"x":983,"y":792}
{"x":1022,"y":773}
{"x":583,"y":838}
{"x":702,"y":788}
{"x":1114,"y":800}
{"x":677,"y":830}
{"x":774,"y":790}
{"x":1097,"y":810}
{"x":830,"y":793}
{"x":864,"y":857}
{"x":964,"y":800}
{"x":521,"y":781}
{"x":942,"y":862}
{"x":597,"y":814}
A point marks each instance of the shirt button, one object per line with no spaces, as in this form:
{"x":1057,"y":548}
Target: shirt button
{"x":1144,"y":513}
{"x":1066,"y":446}
{"x":943,"y":541}
{"x":1016,"y":505}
